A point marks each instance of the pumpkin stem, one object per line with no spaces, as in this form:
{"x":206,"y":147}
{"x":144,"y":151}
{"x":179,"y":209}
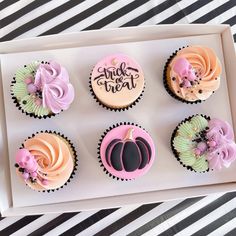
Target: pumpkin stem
{"x":129,"y":135}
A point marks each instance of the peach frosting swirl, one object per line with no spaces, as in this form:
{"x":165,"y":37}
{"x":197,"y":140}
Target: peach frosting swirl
{"x":54,"y":158}
{"x":204,"y":69}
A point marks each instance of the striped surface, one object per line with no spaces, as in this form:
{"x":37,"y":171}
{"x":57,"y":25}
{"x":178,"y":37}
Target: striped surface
{"x":210,"y":215}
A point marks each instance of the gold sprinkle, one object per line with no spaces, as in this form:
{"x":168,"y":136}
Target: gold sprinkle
{"x":114,"y":61}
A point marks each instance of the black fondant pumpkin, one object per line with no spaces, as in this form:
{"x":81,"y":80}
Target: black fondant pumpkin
{"x":128,"y":154}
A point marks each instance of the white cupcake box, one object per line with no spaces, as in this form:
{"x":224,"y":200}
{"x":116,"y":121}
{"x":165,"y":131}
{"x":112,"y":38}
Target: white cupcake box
{"x":85,"y":121}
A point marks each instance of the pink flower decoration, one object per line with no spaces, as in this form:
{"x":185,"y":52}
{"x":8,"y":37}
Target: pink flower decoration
{"x":222,"y":156}
{"x":222,"y":128}
{"x":25,"y":160}
{"x":185,"y":70}
{"x":223,"y":152}
{"x":57,"y":91}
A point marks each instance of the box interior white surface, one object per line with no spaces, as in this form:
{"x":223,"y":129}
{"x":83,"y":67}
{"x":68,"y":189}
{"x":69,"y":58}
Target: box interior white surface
{"x":119,"y":35}
{"x":85,"y":121}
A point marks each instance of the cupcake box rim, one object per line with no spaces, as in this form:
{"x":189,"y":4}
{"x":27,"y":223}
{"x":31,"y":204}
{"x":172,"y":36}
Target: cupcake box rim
{"x":140,"y":198}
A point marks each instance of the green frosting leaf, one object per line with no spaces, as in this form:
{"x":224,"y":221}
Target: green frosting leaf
{"x":200,"y":164}
{"x":23,"y":73}
{"x":40,"y":110}
{"x":199,"y":123}
{"x":182,"y":144}
{"x":187,"y":158}
{"x":19,"y":90}
{"x":33,"y":66}
{"x":28,"y":105}
{"x":186,"y":130}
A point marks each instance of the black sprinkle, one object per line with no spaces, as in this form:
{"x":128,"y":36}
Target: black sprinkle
{"x":173,"y":78}
{"x":24,"y":102}
{"x":21,"y":169}
{"x":200,"y":91}
{"x":16,"y":165}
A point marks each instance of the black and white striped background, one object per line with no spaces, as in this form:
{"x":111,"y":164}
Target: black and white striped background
{"x":210,"y":215}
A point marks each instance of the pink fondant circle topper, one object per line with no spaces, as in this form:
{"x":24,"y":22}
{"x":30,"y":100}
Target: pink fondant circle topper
{"x":127,"y":152}
{"x":117,"y":81}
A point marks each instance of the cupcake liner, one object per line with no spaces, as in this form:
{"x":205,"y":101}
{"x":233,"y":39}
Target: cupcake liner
{"x":99,"y":146}
{"x":175,"y":151}
{"x":72,"y":148}
{"x":172,"y":94}
{"x":15,"y":101}
{"x":111,"y":108}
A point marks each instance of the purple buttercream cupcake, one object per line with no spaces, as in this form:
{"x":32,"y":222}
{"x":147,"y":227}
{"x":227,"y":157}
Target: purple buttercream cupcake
{"x":42,"y":89}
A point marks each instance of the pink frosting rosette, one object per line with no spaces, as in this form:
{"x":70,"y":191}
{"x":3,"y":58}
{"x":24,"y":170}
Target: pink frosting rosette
{"x":185,"y":70}
{"x":57,"y":92}
{"x":223,"y":152}
{"x":222,"y":156}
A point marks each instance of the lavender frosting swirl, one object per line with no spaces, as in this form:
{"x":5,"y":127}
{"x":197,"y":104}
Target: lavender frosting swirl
{"x":223,"y":153}
{"x":57,"y":92}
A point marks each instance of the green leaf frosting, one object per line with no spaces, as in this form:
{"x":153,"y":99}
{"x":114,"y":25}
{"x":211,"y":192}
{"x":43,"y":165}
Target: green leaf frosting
{"x":200,"y":164}
{"x":182,"y":144}
{"x":29,"y":70}
{"x":199,"y":123}
{"x":186,"y":130}
{"x":19,"y":90}
{"x":188,"y":158}
{"x":185,"y":144}
{"x":27,"y":103}
{"x":29,"y":106}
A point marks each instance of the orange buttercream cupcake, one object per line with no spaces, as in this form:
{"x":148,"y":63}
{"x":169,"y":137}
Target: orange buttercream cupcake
{"x":46,"y":161}
{"x":192,"y":74}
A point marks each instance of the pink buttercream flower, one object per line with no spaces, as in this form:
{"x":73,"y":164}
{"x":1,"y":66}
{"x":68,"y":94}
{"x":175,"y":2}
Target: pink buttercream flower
{"x":222,"y":128}
{"x":222,"y":149}
{"x":26,"y":160}
{"x":53,"y":80}
{"x":222,"y":156}
{"x":185,"y":70}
